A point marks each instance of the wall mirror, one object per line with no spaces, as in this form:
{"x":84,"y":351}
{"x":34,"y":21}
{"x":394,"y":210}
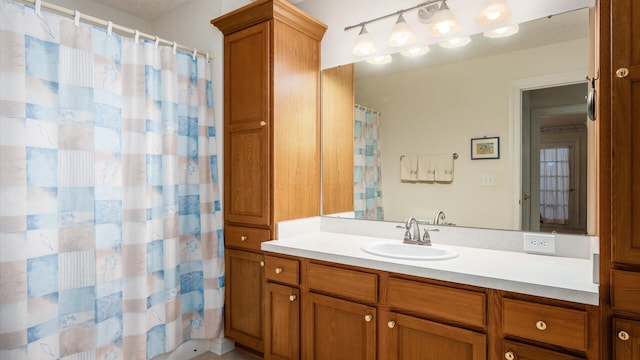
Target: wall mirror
{"x":528,"y":90}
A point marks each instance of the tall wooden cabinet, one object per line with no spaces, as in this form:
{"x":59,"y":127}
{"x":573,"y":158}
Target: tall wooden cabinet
{"x":271,"y":145}
{"x":620,"y":176}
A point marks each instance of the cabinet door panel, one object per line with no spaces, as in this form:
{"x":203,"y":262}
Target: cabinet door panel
{"x":244,"y":283}
{"x":625,"y":128}
{"x":337,"y":329}
{"x":282,"y":307}
{"x":410,"y":338}
{"x":628,"y":349}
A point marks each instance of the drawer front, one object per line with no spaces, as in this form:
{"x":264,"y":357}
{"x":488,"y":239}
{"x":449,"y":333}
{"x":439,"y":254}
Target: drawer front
{"x":245,"y":237}
{"x":462,"y":306}
{"x":625,"y":290}
{"x":349,"y":284}
{"x":281,"y":270}
{"x":517,"y":351}
{"x":545,"y":323}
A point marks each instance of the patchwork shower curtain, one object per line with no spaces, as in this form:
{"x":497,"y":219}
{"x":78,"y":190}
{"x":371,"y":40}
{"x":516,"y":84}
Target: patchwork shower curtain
{"x":110,"y":244}
{"x":367,"y":166}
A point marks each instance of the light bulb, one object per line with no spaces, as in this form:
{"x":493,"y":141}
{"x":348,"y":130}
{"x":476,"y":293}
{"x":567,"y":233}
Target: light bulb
{"x":493,"y":11}
{"x":444,"y":22}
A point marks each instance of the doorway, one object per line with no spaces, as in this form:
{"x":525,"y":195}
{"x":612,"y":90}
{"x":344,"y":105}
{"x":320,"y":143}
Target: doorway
{"x":554,"y":159}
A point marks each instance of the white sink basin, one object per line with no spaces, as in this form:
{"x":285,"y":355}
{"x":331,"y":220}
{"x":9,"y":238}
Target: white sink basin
{"x":400,"y":250}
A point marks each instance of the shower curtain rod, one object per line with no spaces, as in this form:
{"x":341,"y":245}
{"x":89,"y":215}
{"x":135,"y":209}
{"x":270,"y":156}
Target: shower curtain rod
{"x":367,"y":109}
{"x":37,"y":4}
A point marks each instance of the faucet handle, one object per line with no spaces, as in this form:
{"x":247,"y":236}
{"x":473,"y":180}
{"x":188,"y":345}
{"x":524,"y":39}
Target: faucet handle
{"x":407,"y":233}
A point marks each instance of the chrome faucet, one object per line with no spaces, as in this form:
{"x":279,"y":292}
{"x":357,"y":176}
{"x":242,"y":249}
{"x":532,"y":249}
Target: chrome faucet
{"x":412,"y":235}
{"x":426,"y":238}
{"x":439,"y":217}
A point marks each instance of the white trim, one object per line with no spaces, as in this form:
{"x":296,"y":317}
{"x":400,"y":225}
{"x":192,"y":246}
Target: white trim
{"x":515,"y":130}
{"x":222,"y":345}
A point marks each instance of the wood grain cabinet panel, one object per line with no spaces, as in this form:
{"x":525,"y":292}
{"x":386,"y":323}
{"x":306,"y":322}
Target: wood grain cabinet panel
{"x":281,"y":270}
{"x":338,"y":329}
{"x":282,"y":336}
{"x":625,"y":293}
{"x":460,"y":306}
{"x":244,"y":320}
{"x":626,"y":339}
{"x":545,"y":323}
{"x":345,"y":283}
{"x":409,"y":338}
{"x":517,"y":351}
{"x":245,"y":238}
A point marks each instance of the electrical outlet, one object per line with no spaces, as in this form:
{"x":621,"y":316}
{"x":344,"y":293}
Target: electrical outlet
{"x":539,"y":243}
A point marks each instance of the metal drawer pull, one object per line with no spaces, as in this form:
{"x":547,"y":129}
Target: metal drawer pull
{"x":622,"y":73}
{"x":368,"y":318}
{"x":541,"y":325}
{"x":278,"y":270}
{"x":391,"y":324}
{"x":623,"y":335}
{"x":263,"y":123}
{"x":292,"y":298}
{"x":509,"y":355}
{"x":243,"y":238}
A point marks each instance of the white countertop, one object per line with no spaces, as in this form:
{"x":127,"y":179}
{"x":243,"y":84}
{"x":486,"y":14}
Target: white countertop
{"x":554,"y":277}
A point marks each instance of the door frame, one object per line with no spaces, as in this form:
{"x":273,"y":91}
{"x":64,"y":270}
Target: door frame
{"x":516,"y":88}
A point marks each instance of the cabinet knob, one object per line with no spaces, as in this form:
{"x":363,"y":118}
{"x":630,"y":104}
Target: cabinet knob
{"x":278,"y":270}
{"x":263,"y":123}
{"x":292,"y":298}
{"x":509,"y":355}
{"x":391,"y":324}
{"x":622,"y":73}
{"x":261,"y":263}
{"x":623,"y":335}
{"x":243,"y":238}
{"x":368,"y":317}
{"x":541,"y":325}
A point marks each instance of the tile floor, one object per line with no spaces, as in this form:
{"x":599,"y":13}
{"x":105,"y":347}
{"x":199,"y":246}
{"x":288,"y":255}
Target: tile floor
{"x":234,"y":355}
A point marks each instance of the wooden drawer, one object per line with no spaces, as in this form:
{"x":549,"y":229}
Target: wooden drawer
{"x":527,"y":352}
{"x":461,"y":306}
{"x":545,"y":323}
{"x":245,"y":237}
{"x":349,"y":284}
{"x":281,"y":270}
{"x":625,"y":290}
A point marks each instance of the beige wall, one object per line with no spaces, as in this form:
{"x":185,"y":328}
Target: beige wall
{"x":438,"y":110}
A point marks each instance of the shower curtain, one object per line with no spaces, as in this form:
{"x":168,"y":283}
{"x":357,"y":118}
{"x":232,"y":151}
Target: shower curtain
{"x":367,"y":179}
{"x":110,"y":244}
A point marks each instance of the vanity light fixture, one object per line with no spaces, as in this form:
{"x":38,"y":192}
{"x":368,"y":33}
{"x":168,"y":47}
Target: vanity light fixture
{"x":364,"y":45}
{"x":455,"y":42}
{"x":444,"y":22}
{"x":380,"y":60}
{"x":402,"y":35}
{"x":493,"y":11}
{"x":501,"y":32}
{"x":416,"y":51}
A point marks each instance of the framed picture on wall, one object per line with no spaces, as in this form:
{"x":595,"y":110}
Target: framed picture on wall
{"x":485,"y":148}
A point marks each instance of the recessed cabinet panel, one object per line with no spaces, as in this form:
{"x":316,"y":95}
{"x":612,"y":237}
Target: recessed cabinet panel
{"x":626,"y":339}
{"x":411,"y":338}
{"x":282,"y":336}
{"x":247,"y":177}
{"x":244,"y":289}
{"x":338,"y":329}
{"x":247,"y":63}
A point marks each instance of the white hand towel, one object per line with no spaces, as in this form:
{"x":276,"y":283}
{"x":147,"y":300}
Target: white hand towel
{"x":409,"y":168}
{"x":426,"y":171}
{"x":443,"y":165}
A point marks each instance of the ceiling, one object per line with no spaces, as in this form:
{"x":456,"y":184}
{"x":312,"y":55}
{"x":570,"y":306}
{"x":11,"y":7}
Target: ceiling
{"x":151,"y":9}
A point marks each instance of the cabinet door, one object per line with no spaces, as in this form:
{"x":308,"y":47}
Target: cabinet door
{"x":282,"y":337}
{"x":244,"y":298}
{"x":338,"y":329}
{"x":404,"y":337}
{"x":516,"y":351}
{"x":625,"y":107}
{"x":247,"y":126}
{"x":626,"y":342}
